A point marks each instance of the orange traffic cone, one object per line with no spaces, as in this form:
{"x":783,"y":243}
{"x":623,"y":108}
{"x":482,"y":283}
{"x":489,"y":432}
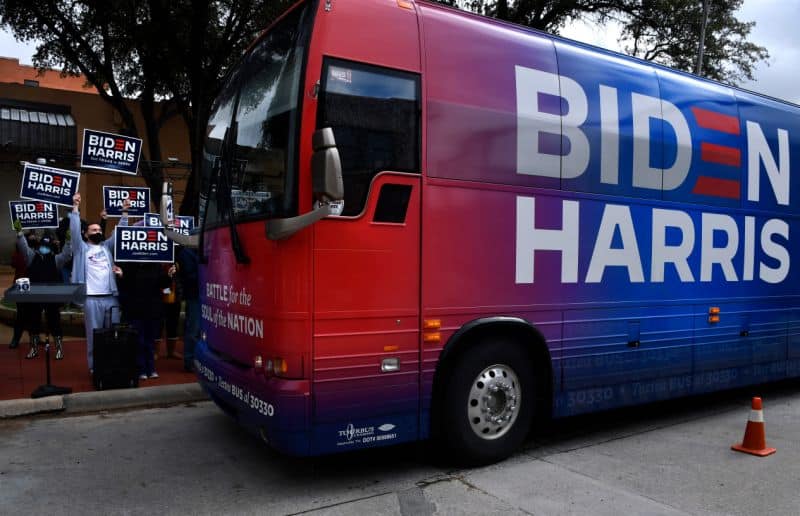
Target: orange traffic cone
{"x":755,"y":441}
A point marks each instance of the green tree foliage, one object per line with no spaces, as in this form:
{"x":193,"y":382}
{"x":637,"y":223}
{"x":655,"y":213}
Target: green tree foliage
{"x":667,"y":31}
{"x":170,"y":55}
{"x":663,"y":31}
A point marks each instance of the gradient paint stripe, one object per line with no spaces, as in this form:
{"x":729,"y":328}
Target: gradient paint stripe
{"x":715,"y":187}
{"x":720,"y":154}
{"x":716,"y":121}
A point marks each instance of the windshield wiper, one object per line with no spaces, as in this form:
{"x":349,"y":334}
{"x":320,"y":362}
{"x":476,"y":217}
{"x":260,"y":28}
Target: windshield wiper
{"x":224,"y":194}
{"x":201,"y":246}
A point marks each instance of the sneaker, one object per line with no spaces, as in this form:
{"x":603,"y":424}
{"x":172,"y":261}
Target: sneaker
{"x":143,"y":377}
{"x":153,"y":375}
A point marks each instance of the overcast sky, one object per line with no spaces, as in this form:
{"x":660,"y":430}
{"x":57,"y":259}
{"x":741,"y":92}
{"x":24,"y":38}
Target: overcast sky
{"x":777,"y":28}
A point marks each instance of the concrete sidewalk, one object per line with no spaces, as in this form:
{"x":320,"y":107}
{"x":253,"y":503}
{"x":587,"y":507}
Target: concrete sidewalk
{"x":19,"y":377}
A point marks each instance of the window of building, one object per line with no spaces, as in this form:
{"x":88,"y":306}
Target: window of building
{"x":31,"y":82}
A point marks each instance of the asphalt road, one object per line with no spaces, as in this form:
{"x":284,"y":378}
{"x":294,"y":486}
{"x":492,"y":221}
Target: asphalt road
{"x":671,"y":458}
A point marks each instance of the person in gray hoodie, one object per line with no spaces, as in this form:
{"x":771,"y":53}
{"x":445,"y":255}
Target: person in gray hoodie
{"x":44,"y":266}
{"x":93,"y":264}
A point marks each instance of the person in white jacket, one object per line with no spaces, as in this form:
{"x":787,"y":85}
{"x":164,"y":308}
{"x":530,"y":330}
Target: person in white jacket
{"x":93,"y":264}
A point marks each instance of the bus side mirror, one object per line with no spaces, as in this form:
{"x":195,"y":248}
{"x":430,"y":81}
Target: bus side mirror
{"x":326,"y":166}
{"x":326,"y":181}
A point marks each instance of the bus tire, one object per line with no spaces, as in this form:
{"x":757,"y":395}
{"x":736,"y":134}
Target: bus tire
{"x":488,"y":402}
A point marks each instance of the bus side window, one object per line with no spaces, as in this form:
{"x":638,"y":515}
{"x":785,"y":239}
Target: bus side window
{"x":375,"y":116}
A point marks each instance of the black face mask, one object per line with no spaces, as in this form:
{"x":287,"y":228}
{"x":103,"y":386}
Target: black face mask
{"x":96,"y":238}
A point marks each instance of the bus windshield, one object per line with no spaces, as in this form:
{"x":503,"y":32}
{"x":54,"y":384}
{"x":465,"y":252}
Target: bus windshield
{"x":249,"y":168}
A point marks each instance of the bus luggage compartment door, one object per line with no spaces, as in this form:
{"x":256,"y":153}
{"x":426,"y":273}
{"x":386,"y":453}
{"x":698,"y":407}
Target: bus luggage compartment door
{"x":366,"y":314}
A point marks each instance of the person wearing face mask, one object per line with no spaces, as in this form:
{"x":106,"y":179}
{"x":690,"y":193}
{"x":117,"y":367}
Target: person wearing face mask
{"x":44,"y":263}
{"x":93,"y":264}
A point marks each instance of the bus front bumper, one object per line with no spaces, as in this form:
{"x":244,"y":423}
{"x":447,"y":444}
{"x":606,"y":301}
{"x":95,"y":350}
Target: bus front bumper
{"x":275,"y":409}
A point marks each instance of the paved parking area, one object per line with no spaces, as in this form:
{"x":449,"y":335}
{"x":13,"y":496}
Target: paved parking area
{"x":670,"y":458}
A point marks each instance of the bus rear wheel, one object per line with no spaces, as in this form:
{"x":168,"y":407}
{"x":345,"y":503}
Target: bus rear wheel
{"x":488,"y":402}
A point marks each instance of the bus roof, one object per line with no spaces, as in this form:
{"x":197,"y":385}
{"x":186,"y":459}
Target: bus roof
{"x":568,"y":41}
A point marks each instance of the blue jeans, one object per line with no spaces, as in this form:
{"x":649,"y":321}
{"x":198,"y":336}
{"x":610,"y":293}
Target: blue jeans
{"x":191,"y":332}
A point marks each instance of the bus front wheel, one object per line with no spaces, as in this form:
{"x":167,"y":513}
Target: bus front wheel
{"x":488,"y":402}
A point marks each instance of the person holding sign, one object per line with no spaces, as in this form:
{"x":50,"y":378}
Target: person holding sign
{"x":140,"y":286}
{"x":93,"y":264}
{"x":43,"y":267}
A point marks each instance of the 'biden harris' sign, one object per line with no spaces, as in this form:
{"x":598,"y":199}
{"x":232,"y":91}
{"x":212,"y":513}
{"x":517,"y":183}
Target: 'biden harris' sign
{"x":142,"y":244}
{"x":48,"y":184}
{"x":112,"y":152}
{"x":115,"y":196}
{"x":34,"y":214}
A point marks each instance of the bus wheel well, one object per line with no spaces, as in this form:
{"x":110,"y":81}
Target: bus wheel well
{"x":510,"y":331}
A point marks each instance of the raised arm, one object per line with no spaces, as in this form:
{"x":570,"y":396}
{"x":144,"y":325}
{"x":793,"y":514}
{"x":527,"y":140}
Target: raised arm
{"x":103,"y":222}
{"x":123,"y":221}
{"x":75,"y":220}
{"x":24,"y":249}
{"x":191,"y":241}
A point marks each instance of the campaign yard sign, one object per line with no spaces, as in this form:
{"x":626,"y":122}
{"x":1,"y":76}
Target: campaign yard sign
{"x":152,"y":220}
{"x":114,"y":196}
{"x":142,"y":244}
{"x":184,"y":224}
{"x":112,"y":152}
{"x":34,"y":214}
{"x":48,"y":184}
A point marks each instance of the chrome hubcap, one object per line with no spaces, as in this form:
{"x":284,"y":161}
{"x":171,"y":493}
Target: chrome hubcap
{"x":494,"y":401}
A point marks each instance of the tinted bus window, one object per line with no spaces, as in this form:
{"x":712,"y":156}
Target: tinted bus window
{"x":375,"y":116}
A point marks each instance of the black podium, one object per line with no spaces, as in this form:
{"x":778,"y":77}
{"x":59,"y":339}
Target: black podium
{"x":47,"y":293}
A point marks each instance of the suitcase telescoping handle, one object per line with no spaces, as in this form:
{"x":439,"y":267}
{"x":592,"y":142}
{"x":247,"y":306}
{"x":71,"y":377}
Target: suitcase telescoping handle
{"x":109,"y":316}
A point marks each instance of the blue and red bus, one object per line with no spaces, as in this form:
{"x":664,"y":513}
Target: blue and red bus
{"x":420,"y":223}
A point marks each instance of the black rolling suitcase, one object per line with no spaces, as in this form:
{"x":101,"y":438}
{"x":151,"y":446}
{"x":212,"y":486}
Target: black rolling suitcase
{"x":115,"y":356}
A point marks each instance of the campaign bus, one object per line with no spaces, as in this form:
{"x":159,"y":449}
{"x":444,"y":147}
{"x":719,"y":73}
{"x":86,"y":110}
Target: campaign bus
{"x":421,"y":223}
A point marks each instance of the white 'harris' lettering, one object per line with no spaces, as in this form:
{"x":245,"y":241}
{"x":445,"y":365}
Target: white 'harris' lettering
{"x":719,"y":244}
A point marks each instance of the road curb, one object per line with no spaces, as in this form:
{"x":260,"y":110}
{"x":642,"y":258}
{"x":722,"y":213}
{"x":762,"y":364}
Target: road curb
{"x":27,"y":406}
{"x":82,"y":402}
